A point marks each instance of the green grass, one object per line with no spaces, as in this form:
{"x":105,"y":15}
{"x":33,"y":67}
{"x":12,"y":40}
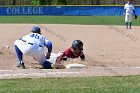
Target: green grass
{"x":91,"y":20}
{"x":129,"y":84}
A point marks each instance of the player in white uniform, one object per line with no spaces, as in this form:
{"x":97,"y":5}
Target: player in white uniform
{"x":33,"y":45}
{"x":129,"y":11}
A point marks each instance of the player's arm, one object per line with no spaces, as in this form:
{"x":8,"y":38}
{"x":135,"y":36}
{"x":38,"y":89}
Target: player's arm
{"x":66,"y":54}
{"x":60,"y":58}
{"x":82,"y":56}
{"x":124,"y":12}
{"x":135,"y":16}
{"x":49,"y":46}
{"x":134,"y":12}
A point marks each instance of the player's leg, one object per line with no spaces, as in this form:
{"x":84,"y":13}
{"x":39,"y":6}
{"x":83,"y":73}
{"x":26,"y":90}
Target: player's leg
{"x":20,"y":57}
{"x":130,"y":24}
{"x":126,"y":20}
{"x":47,"y":65}
{"x":130,"y":21}
{"x":39,"y":56}
{"x":53,"y":64}
{"x":22,"y":48}
{"x":53,"y":58}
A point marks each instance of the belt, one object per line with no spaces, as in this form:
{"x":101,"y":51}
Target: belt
{"x":30,"y":43}
{"x":33,"y":44}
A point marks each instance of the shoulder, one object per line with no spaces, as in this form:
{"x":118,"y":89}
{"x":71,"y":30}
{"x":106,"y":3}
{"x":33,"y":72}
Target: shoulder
{"x":46,"y":38}
{"x":126,"y":4}
{"x":68,"y":50}
{"x":42,"y":37}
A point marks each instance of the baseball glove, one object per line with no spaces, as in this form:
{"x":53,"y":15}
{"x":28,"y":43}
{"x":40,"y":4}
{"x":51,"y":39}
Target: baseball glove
{"x":135,"y":16}
{"x":58,"y":66}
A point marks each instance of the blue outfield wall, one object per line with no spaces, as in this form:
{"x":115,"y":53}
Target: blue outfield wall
{"x":64,"y":10}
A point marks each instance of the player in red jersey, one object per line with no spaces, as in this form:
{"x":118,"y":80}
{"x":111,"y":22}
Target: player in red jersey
{"x":75,"y":51}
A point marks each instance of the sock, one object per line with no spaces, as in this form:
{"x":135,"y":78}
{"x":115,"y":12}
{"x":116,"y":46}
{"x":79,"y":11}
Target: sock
{"x":126,"y":24}
{"x":19,"y":54}
{"x":130,"y":24}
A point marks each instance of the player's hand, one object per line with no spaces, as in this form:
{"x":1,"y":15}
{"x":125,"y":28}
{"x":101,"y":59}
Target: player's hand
{"x":48,"y":56}
{"x":82,"y":59}
{"x":58,"y":66}
{"x":135,"y":16}
{"x":64,"y":58}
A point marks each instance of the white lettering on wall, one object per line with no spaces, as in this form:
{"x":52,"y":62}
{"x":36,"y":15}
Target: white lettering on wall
{"x":25,"y":10}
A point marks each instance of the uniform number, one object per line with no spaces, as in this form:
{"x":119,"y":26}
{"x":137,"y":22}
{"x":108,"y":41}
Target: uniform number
{"x":35,"y":36}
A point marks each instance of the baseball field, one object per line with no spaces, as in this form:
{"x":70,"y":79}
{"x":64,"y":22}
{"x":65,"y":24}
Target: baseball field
{"x":112,"y":55}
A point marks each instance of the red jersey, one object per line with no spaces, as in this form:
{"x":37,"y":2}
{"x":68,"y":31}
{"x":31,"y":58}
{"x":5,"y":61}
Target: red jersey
{"x":69,"y":54}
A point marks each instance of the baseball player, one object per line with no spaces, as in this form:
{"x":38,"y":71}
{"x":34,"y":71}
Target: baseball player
{"x":75,"y":51}
{"x":129,"y":11}
{"x":33,"y":45}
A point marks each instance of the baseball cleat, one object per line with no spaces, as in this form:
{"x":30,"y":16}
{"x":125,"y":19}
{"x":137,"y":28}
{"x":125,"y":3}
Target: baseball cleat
{"x":21,"y":65}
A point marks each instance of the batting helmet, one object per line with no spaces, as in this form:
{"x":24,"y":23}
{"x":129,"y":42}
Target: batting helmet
{"x":36,"y":29}
{"x":77,"y":44}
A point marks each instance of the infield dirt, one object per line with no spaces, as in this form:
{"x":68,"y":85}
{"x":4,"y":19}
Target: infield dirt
{"x":104,"y":46}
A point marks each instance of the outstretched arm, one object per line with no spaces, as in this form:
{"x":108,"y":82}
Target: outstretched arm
{"x":124,"y":12}
{"x":82,"y":56}
{"x":134,"y":12}
{"x":49,"y":46}
{"x":135,"y":16}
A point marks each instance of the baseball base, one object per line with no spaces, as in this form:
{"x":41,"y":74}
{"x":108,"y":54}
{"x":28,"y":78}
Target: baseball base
{"x":75,"y":65}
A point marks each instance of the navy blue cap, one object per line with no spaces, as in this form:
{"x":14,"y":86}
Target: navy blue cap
{"x":36,"y":29}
